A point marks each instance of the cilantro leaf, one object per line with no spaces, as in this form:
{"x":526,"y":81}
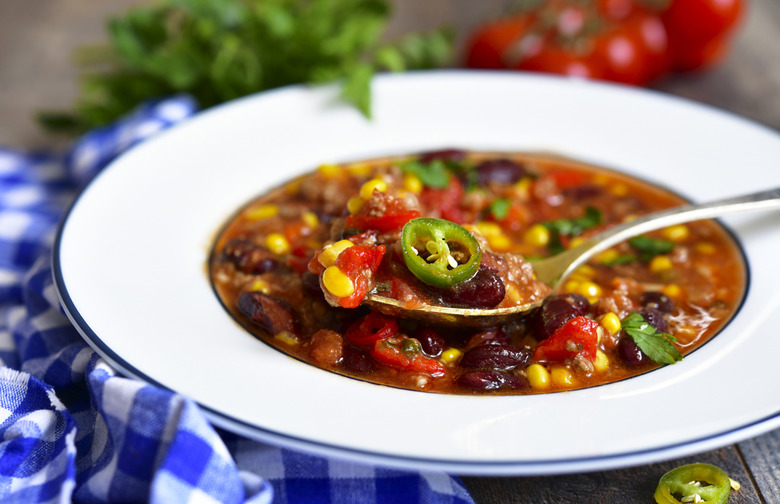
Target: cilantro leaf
{"x":499,"y":208}
{"x":573,"y":227}
{"x":655,"y":344}
{"x":433,"y":174}
{"x":570,"y":227}
{"x":650,"y":247}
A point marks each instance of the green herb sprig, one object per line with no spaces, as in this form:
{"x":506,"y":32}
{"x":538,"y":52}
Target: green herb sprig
{"x":218,"y":50}
{"x":571,"y":227}
{"x":655,"y":344}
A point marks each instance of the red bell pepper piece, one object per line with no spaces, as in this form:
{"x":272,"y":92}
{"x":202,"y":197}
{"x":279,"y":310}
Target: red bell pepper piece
{"x":371,"y":328}
{"x":393,"y":356}
{"x":387,"y":222}
{"x":577,"y":336}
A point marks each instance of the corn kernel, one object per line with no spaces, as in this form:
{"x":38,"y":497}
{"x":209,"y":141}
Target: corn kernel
{"x":576,"y":241}
{"x":585,"y":271}
{"x":277,"y":243}
{"x":499,"y":242}
{"x":607,"y":256}
{"x":537,"y":235}
{"x":412,"y":183}
{"x":329,"y":170}
{"x":523,"y":187}
{"x":561,"y":376}
{"x":310,"y":219}
{"x":676,"y":233}
{"x":538,"y":376}
{"x":450,"y":355}
{"x":261,"y":286}
{"x":488,"y":229}
{"x":601,"y":363}
{"x":287,"y":337}
{"x":367,"y":189}
{"x":262,"y":212}
{"x":619,"y":189}
{"x":360,"y":169}
{"x":571,"y":286}
{"x":355,"y":204}
{"x":589,"y":290}
{"x":601,"y":179}
{"x":706,"y":248}
{"x":512,"y":294}
{"x":611,"y":322}
{"x":337,"y":282}
{"x":672,"y":290}
{"x":660,"y":263}
{"x":330,"y":253}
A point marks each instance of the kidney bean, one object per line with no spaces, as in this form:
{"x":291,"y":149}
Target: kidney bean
{"x":492,"y":336}
{"x":249,"y":257}
{"x":444,"y":155}
{"x":483,"y":290}
{"x":630,"y":353}
{"x":499,"y":171}
{"x":583,"y":192}
{"x":555,"y":312}
{"x":268,"y":312}
{"x":431,"y":341}
{"x":655,"y":318}
{"x":502,"y":357}
{"x":356,"y":360}
{"x":657,"y":300}
{"x":491,"y":380}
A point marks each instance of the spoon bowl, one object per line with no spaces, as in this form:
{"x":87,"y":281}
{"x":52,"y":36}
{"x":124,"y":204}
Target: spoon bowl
{"x":556,"y":269}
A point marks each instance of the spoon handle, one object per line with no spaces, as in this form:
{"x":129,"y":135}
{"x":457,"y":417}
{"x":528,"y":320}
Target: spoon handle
{"x":555,"y":269}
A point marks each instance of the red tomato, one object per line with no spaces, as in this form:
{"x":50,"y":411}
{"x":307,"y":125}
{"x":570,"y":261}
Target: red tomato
{"x":446,"y":199}
{"x":490,"y":45}
{"x":359,"y":263}
{"x":634,"y":51}
{"x":577,"y":336}
{"x":698,"y":30}
{"x":612,"y":40}
{"x":555,"y":60}
{"x":616,"y":9}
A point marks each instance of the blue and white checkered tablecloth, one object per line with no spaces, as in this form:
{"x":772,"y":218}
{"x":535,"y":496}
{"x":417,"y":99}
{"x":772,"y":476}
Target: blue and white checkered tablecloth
{"x":74,"y":430}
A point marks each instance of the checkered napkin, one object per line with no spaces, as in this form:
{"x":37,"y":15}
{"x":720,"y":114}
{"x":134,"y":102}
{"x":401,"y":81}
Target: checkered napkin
{"x":74,"y":430}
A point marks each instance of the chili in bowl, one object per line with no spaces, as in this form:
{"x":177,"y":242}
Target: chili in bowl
{"x":460,"y":228}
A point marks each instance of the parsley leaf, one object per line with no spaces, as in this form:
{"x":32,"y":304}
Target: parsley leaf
{"x":433,"y":174}
{"x":573,"y":227}
{"x":656,"y":345}
{"x":570,"y":227}
{"x":218,"y":50}
{"x":499,"y":208}
{"x":650,"y":247}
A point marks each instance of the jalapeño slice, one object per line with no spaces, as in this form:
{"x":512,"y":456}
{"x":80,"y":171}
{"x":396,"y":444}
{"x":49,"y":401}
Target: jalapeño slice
{"x":440,"y":252}
{"x":710,"y":482}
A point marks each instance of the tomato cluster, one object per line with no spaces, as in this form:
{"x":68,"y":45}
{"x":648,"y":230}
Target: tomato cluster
{"x":628,"y":41}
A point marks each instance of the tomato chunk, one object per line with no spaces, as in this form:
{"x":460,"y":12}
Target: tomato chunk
{"x":393,"y":355}
{"x":577,"y":336}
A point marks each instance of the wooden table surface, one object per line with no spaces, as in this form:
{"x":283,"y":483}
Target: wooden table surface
{"x":37,"y":38}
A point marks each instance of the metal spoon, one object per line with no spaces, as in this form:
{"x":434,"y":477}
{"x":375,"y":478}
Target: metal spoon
{"x":554,"y":270}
